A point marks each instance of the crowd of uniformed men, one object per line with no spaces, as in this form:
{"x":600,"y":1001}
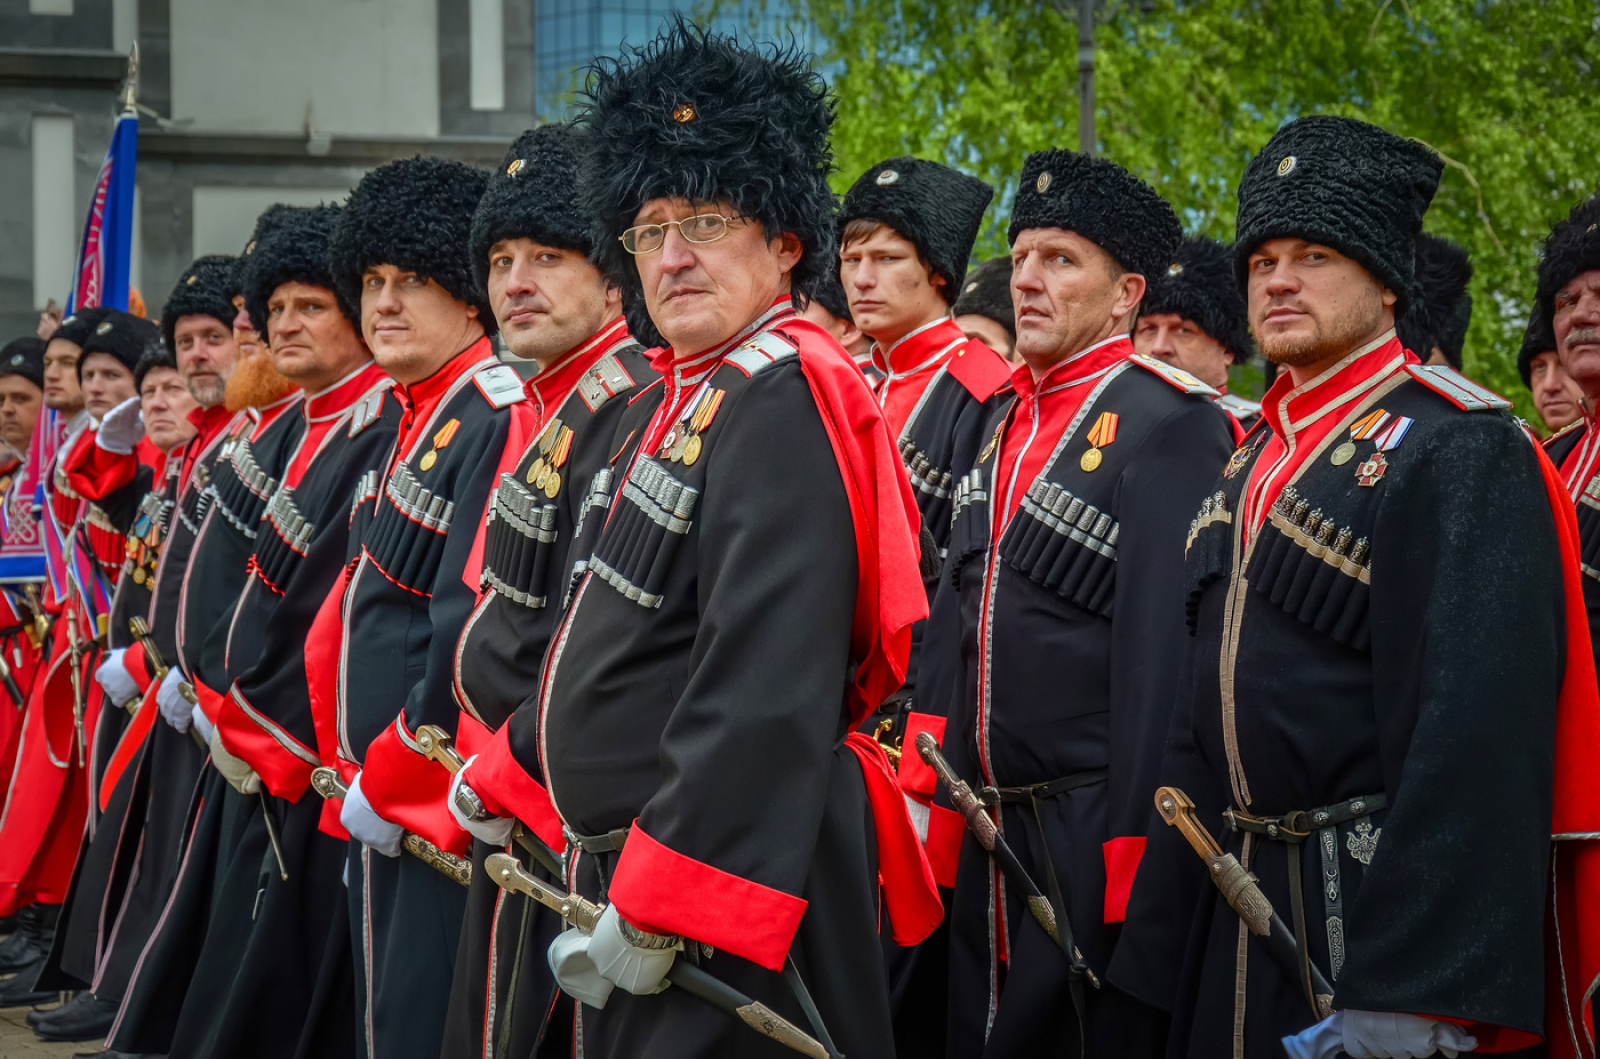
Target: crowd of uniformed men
{"x":825,"y":648}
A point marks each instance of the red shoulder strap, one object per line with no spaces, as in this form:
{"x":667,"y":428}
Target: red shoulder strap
{"x":980,"y":369}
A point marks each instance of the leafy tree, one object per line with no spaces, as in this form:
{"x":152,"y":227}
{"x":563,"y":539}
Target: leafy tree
{"x":1187,"y":91}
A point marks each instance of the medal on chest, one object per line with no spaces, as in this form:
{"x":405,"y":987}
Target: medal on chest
{"x":1385,"y":432}
{"x":1103,"y":433}
{"x":554,"y":445}
{"x":441,"y":438}
{"x":682,"y":443}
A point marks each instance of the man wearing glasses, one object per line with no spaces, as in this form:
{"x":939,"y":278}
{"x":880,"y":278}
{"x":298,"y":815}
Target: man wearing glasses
{"x":747,"y":604}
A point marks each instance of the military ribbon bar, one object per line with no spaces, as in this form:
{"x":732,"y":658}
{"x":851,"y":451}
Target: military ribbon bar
{"x":1104,"y":431}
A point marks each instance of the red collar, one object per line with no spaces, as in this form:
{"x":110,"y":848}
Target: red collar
{"x":1082,"y":366}
{"x":331,"y":402}
{"x":208,"y":423}
{"x":922,"y":349}
{"x":551,"y":386}
{"x":687,"y":370}
{"x":1290,"y":410}
{"x":419,"y":398}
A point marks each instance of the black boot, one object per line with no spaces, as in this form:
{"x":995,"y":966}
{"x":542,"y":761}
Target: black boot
{"x":85,"y":1018}
{"x":38,"y":1015}
{"x":22,"y":947}
{"x":19,"y":991}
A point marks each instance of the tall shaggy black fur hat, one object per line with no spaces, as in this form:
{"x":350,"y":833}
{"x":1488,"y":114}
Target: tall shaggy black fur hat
{"x":157,"y":356}
{"x":697,"y":115}
{"x":1572,"y":249}
{"x":414,"y":214}
{"x":81,"y":324}
{"x":122,"y":336}
{"x":1538,"y":338}
{"x":294,"y":249}
{"x":1342,"y":183}
{"x":1199,"y":286}
{"x":935,"y":207}
{"x":1102,"y":202}
{"x":533,"y":195}
{"x":987,"y":292}
{"x":206,"y":288}
{"x":1441,"y":308}
{"x":24,"y":357}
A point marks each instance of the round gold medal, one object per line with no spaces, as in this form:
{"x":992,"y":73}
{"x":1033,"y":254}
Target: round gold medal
{"x":691,"y":449}
{"x":677,"y":447}
{"x":138,"y":575}
{"x":552,"y":484}
{"x":1091,"y":459}
{"x":536,"y":470}
{"x":1343,"y":454}
{"x":545,"y":471}
{"x":429,"y":458}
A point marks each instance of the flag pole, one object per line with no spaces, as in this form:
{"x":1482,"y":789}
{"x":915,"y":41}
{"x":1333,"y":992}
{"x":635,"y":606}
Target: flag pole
{"x":130,"y":93}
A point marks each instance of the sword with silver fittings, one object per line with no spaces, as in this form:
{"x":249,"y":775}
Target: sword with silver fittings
{"x":326,"y":782}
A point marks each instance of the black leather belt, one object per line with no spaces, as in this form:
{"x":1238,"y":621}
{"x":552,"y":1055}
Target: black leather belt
{"x":1040,"y":791}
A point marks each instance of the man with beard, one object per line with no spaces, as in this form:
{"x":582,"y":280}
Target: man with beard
{"x":1555,"y":395}
{"x":1065,"y":558}
{"x":1354,"y":716}
{"x":386,"y":640}
{"x":530,"y":250}
{"x":1193,"y":318}
{"x":748,"y":600}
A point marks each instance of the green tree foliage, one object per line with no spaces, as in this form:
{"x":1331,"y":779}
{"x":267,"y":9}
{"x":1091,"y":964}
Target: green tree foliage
{"x":1187,"y":91}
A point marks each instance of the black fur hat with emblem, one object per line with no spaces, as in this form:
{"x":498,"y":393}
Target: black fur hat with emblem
{"x":936,"y":208}
{"x":122,"y":336}
{"x":533,"y":195}
{"x":1101,"y":201}
{"x":415,"y":214}
{"x":701,"y":116}
{"x":1199,"y":285}
{"x":1538,"y":338}
{"x":1441,"y":309}
{"x":1572,"y":249}
{"x":24,"y":357}
{"x":987,"y":292}
{"x":206,"y":288}
{"x":292,"y":248}
{"x":1345,"y":184}
{"x":81,"y":324}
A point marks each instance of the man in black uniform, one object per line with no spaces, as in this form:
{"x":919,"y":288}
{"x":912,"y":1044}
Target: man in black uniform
{"x":1192,"y":317}
{"x":1062,"y":607}
{"x":1435,"y":327}
{"x":748,"y":600}
{"x":1345,"y":714}
{"x":530,"y":251}
{"x":1555,"y":395}
{"x":400,"y":253}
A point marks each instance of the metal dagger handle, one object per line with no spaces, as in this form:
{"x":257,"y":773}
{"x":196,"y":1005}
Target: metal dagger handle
{"x":435,"y":743}
{"x":158,"y":664}
{"x":961,"y":797}
{"x":326,"y":782}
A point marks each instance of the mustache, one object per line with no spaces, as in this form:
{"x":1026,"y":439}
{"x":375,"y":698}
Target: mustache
{"x":1580,"y":337}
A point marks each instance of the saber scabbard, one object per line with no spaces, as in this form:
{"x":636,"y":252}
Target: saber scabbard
{"x":326,"y":782}
{"x":696,"y":981}
{"x":436,"y":744}
{"x":1243,"y":893}
{"x":10,"y":683}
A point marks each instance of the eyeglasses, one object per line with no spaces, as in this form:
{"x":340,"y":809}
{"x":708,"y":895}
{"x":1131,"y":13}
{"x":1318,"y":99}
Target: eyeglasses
{"x":701,"y":228}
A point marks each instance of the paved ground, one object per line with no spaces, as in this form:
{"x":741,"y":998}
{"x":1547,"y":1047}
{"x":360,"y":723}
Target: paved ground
{"x":18,"y":1042}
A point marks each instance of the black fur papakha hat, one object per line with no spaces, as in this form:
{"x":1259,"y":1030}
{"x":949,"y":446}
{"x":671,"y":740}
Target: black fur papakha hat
{"x":1345,"y":184}
{"x":1102,"y":202}
{"x":829,"y":293}
{"x":206,"y":288}
{"x":24,"y":357}
{"x":936,"y":208}
{"x":1538,"y":338}
{"x":121,"y":335}
{"x":1572,"y":249}
{"x":293,"y":250}
{"x":157,"y":356}
{"x":700,"y":116}
{"x":1199,"y":285}
{"x":1441,"y":308}
{"x":533,"y":195}
{"x":80,"y":325}
{"x":987,"y":292}
{"x":272,"y":218}
{"x":414,"y":214}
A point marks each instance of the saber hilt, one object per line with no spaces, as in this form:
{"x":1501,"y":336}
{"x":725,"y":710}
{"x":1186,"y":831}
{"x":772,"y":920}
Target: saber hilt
{"x":158,"y":664}
{"x":436,"y":745}
{"x":326,"y":782}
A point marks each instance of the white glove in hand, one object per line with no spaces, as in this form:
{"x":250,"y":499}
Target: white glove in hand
{"x":1379,"y":1035}
{"x":364,"y":824}
{"x":202,"y":723}
{"x":114,"y":678}
{"x":240,"y":776}
{"x":496,"y":831}
{"x":636,"y":968}
{"x":175,"y":709}
{"x":574,"y":970}
{"x":122,"y":427}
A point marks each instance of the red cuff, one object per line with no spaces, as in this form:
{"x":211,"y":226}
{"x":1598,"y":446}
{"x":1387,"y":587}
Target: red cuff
{"x":662,"y":891}
{"x":1492,"y":1038}
{"x":282,"y":761}
{"x":471,"y":735}
{"x":93,"y":472}
{"x":507,"y":789}
{"x":328,"y":823}
{"x":135,"y":663}
{"x":408,"y":789}
{"x":915,"y":775}
{"x":1122,"y":861}
{"x":210,"y":702}
{"x":946,"y":830}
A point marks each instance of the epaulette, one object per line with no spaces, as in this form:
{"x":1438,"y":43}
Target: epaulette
{"x":979,"y":369}
{"x":366,"y":411}
{"x":603,"y":381}
{"x":761,"y":352}
{"x":1456,"y":388}
{"x":1239,"y":406}
{"x":500,"y":385}
{"x":1176,"y":376}
{"x":1576,"y":424}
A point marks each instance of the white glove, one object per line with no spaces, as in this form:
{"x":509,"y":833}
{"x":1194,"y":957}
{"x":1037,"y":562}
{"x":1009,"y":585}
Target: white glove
{"x":113,"y":676}
{"x":177,"y":710}
{"x":1379,"y":1035}
{"x":364,"y":824}
{"x":202,"y":722}
{"x":637,"y":969}
{"x":240,"y":776}
{"x":122,"y":427}
{"x":574,"y":970}
{"x":495,"y":831}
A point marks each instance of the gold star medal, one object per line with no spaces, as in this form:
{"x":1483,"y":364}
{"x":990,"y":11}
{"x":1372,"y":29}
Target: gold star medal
{"x":1103,"y":433}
